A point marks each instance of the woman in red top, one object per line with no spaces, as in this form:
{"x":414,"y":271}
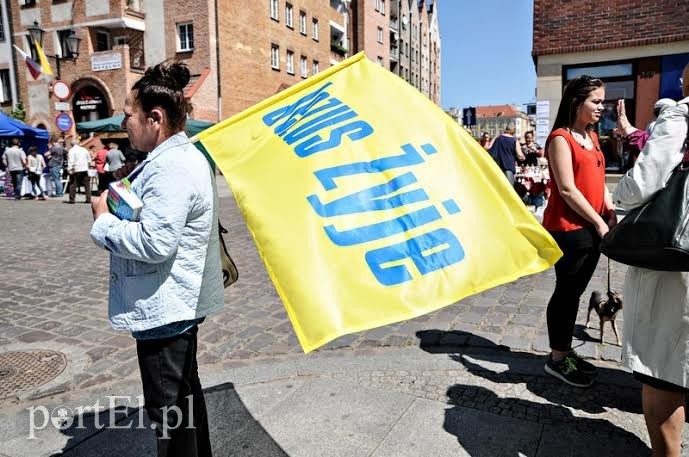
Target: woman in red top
{"x":579,"y":213}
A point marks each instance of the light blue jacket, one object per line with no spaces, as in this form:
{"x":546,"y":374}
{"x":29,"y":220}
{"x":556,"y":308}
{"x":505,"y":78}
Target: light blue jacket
{"x":166,"y":267}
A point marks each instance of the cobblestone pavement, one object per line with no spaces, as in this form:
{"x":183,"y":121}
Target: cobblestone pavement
{"x":53,"y":295}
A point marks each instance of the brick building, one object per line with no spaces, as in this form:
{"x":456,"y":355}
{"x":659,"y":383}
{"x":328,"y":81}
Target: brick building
{"x":637,"y":47}
{"x":118,"y":39}
{"x":239,"y":51}
{"x":494,"y":119}
{"x":403,"y":36}
{"x":270,"y":45}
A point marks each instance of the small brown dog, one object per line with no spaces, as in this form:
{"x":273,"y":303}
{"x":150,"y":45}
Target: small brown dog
{"x":606,"y":306}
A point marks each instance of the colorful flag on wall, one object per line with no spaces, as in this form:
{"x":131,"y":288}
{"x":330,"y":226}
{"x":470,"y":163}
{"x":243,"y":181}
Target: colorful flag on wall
{"x":33,"y":67}
{"x":369,"y":205}
{"x":45,"y":65}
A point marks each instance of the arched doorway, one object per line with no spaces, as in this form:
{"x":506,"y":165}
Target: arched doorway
{"x":89,"y":103}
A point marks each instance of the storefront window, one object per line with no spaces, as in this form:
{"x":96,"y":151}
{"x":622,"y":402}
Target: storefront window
{"x":602,"y":71}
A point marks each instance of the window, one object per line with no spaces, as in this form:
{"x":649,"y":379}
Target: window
{"x":290,"y":62}
{"x":275,"y":56}
{"x":274,"y":10}
{"x":602,"y":71}
{"x":102,"y":41}
{"x":185,"y":37}
{"x":5,"y":89}
{"x":119,"y":41}
{"x":302,"y":22}
{"x":134,"y":4}
{"x":380,"y":61}
{"x":62,"y":50}
{"x":27,"y":2}
{"x":379,"y":35}
{"x":288,"y":15}
{"x":2,"y":28}
{"x":304,"y":67}
{"x":314,"y":29}
{"x":382,"y":7}
{"x":316,"y":67}
{"x":377,"y":5}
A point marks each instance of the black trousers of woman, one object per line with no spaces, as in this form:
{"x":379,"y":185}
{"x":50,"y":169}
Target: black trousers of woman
{"x":572,"y":275}
{"x":170,"y":378}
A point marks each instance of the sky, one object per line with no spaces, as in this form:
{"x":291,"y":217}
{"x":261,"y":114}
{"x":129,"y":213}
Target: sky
{"x":486,"y":52}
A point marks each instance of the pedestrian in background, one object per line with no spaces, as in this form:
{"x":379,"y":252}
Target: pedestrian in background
{"x":14,"y":159}
{"x":506,"y":150}
{"x":56,"y":157}
{"x":114,"y":158}
{"x":78,"y":162}
{"x":579,"y":213}
{"x":104,"y":177}
{"x":656,"y":324}
{"x":531,"y":150}
{"x":165,"y":268}
{"x":485,"y":141}
{"x":35,"y":165}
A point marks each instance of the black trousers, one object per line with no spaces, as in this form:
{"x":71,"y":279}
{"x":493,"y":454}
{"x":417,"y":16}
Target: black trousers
{"x":79,"y":179}
{"x":572,"y":275}
{"x":169,"y":374}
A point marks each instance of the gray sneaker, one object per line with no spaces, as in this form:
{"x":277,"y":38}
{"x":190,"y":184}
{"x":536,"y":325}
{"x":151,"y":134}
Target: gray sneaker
{"x":566,"y":370}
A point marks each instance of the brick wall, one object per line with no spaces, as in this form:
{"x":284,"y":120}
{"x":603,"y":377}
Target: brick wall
{"x":246,"y":33}
{"x":565,"y":26}
{"x":368,"y":20}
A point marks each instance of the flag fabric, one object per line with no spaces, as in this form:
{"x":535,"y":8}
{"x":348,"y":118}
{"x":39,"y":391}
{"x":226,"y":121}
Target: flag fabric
{"x":369,"y":205}
{"x":45,"y":65}
{"x":34,"y":68}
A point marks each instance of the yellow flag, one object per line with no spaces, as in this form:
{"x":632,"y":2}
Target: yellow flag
{"x":43,"y":60}
{"x":369,"y":205}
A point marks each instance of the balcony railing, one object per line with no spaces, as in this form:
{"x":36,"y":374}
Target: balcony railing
{"x":394,"y":24}
{"x":136,"y":59}
{"x":394,"y":53}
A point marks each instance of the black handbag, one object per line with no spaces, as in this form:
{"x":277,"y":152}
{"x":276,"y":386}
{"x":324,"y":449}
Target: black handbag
{"x":656,"y":234}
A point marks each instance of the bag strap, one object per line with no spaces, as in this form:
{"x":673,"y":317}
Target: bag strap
{"x":609,"y":274}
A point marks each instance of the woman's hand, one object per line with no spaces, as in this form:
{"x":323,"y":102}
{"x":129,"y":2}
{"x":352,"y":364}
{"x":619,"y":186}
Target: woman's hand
{"x":623,"y":125}
{"x":602,"y":228}
{"x":99,"y":205}
{"x":611,"y":218}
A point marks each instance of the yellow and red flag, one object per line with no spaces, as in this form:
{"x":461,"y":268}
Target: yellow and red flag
{"x":369,"y":205}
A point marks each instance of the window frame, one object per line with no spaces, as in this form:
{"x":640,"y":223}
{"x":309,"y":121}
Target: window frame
{"x":275,"y":56}
{"x":304,"y":67}
{"x":314,"y":29}
{"x":274,"y":10}
{"x":379,"y":35}
{"x":106,"y":33}
{"x":289,"y":15}
{"x":179,"y":26}
{"x":5,"y":89}
{"x":302,"y":22}
{"x":316,"y":67}
{"x":289,"y":62}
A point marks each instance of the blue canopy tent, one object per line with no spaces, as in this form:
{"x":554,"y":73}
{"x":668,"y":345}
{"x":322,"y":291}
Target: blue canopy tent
{"x":28,"y":136}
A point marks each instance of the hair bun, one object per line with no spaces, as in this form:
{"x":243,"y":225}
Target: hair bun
{"x":174,"y":75}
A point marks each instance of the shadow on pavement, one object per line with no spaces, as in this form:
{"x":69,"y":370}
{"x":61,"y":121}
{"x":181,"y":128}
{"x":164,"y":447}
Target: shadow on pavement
{"x":485,"y":359}
{"x":233,"y":430}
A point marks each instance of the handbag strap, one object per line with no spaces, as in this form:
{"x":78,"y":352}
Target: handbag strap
{"x":609,"y":274}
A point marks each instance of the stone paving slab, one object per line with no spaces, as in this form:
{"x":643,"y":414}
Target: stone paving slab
{"x":56,"y":297}
{"x":386,"y":401}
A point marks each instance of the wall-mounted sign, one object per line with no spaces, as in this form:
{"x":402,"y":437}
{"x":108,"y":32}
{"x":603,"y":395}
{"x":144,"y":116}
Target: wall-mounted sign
{"x":62,"y":106}
{"x":64,"y":122}
{"x":88,"y":103}
{"x":106,"y":61}
{"x":61,"y":90}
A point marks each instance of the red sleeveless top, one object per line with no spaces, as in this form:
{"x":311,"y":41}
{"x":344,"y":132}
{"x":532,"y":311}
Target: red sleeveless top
{"x":589,"y":178}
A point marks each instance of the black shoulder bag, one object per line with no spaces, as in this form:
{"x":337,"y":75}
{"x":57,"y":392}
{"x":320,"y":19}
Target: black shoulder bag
{"x":656,"y":234}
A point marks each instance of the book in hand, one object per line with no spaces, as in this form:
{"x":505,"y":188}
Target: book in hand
{"x":122,"y":202}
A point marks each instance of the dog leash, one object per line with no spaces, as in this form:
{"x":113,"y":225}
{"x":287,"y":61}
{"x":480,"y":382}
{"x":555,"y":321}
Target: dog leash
{"x":608,"y":274}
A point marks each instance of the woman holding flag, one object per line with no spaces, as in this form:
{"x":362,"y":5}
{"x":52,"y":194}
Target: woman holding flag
{"x":580,"y":212}
{"x":165,"y":270}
